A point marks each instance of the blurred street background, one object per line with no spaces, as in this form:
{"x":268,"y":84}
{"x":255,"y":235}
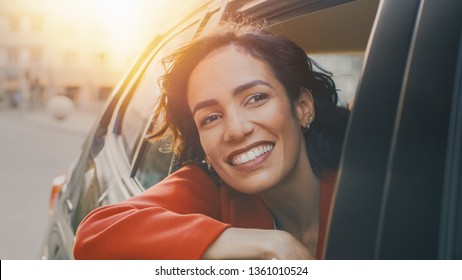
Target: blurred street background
{"x":35,"y":148}
{"x":59,"y":61}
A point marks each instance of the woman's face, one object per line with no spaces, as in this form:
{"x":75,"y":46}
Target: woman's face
{"x":245,"y":121}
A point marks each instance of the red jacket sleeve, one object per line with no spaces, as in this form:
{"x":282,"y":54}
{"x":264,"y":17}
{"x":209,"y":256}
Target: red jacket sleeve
{"x":176,"y":219}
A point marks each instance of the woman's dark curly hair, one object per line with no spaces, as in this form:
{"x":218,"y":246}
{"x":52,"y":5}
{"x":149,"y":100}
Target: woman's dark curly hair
{"x":290,"y":65}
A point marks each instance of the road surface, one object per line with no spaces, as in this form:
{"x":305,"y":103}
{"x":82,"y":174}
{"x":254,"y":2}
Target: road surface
{"x":34,"y":148}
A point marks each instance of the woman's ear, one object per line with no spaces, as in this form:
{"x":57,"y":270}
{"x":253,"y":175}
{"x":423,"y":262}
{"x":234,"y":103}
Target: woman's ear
{"x":304,"y":106}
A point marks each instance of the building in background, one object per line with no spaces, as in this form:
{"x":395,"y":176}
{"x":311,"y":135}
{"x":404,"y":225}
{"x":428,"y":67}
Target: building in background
{"x":74,"y":48}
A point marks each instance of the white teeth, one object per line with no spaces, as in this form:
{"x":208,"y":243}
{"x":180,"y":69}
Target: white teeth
{"x":251,"y":155}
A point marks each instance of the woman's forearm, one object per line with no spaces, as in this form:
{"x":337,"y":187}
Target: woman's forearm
{"x":239,"y":243}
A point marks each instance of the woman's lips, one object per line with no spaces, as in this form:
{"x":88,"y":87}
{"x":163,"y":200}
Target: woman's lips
{"x":251,"y":154}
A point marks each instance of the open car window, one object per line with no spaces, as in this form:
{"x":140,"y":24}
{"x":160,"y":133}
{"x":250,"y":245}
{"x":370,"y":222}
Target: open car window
{"x":336,"y":40}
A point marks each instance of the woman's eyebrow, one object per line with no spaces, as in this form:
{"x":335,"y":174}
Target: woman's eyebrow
{"x":238,"y":90}
{"x":249,"y":85}
{"x":203,"y":104}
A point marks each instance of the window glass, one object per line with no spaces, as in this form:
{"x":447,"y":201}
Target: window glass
{"x":138,"y":110}
{"x":155,"y":156}
{"x":146,"y":93}
{"x":155,"y":162}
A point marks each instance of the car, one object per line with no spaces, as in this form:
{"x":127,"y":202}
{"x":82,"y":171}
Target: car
{"x":398,"y":66}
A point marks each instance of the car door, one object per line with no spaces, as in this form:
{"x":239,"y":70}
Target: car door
{"x":399,"y":189}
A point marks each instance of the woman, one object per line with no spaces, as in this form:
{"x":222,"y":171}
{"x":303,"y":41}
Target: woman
{"x":249,"y":104}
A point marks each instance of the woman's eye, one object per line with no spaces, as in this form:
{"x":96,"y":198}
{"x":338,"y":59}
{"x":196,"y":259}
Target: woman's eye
{"x":209,"y":119}
{"x":257,"y":98}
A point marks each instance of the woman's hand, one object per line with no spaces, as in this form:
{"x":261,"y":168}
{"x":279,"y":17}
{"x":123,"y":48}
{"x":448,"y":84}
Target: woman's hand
{"x":239,"y":243}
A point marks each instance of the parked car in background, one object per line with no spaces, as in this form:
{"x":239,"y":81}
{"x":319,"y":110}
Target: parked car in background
{"x":398,"y":66}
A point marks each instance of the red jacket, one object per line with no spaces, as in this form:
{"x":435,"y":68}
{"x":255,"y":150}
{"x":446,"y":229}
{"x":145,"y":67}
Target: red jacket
{"x":176,"y":219}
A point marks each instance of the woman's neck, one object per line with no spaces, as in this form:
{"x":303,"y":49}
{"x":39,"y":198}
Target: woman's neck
{"x":294,"y":204}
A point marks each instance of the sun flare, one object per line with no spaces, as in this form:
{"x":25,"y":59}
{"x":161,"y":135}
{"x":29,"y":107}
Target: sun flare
{"x":123,"y":25}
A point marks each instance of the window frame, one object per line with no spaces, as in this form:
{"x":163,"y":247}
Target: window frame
{"x":127,"y":167}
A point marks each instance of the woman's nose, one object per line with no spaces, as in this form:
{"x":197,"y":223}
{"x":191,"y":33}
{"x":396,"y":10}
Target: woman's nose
{"x":238,"y":127}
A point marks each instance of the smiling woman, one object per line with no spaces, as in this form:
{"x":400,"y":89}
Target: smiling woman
{"x":247,"y":104}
